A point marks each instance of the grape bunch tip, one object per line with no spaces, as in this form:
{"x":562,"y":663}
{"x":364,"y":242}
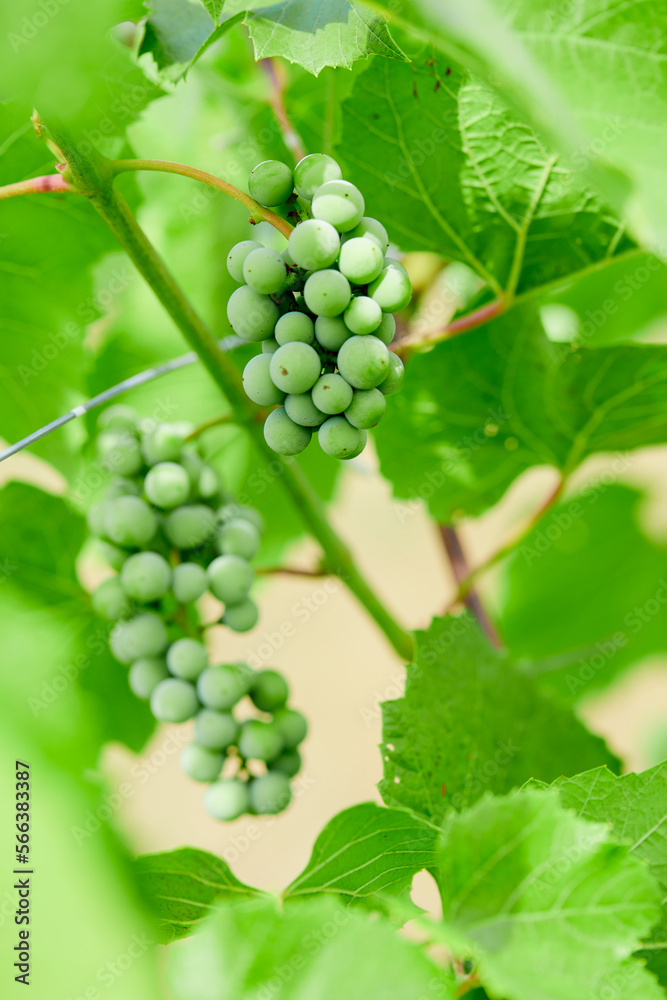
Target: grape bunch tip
{"x":322,"y":310}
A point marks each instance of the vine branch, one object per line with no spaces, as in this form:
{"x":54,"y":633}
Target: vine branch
{"x":472,"y":600}
{"x":36,"y":185}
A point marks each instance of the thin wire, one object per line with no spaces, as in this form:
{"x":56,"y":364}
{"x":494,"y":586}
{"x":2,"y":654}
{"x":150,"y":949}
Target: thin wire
{"x":226,"y":344}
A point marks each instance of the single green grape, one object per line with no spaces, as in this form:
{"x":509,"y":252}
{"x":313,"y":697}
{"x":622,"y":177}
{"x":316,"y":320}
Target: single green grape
{"x":327,"y":293}
{"x":237,"y":255}
{"x":289,"y":763}
{"x":295,"y":367}
{"x":118,"y":417}
{"x":145,"y":675}
{"x":363,"y":362}
{"x":331,"y":332}
{"x":230,"y":578}
{"x":394,"y":379}
{"x":371,"y":230}
{"x":391,"y":290}
{"x":215,"y":730}
{"x":293,"y":727}
{"x":208,"y":484}
{"x":312,"y":171}
{"x":339,"y":203}
{"x":295,"y":326}
{"x":360,"y":260}
{"x":251,"y":315}
{"x":174,"y":700}
{"x":167,"y":485}
{"x":201,"y":764}
{"x":301,"y":409}
{"x":227,"y":799}
{"x":190,"y":526}
{"x":283,"y":435}
{"x":265,"y":271}
{"x":258,"y":383}
{"x":340,"y":439}
{"x":367,"y":408}
{"x":188,"y":582}
{"x":187,"y":658}
{"x":314,"y":244}
{"x":260,"y":740}
{"x":270,"y":346}
{"x":270,"y":183}
{"x":221,"y":687}
{"x":110,"y":600}
{"x":241,"y":617}
{"x":119,"y":451}
{"x":356,"y":451}
{"x":165,"y":442}
{"x":129,"y":521}
{"x":146,"y":576}
{"x":238,"y":537}
{"x":145,"y":635}
{"x":363,"y":315}
{"x":387,"y":329}
{"x":270,"y":793}
{"x":269,"y":690}
{"x":332,"y":394}
{"x":251,"y":514}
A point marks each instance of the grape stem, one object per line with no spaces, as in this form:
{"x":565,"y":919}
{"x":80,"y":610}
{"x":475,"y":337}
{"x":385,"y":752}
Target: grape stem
{"x":93,"y":176}
{"x":460,"y":569}
{"x":36,"y":185}
{"x":257,"y":212}
{"x":458,"y":326}
{"x":291,"y":571}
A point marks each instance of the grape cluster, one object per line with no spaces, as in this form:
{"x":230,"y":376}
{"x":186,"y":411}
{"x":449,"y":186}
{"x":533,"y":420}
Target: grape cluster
{"x":322,"y":309}
{"x":171,"y":534}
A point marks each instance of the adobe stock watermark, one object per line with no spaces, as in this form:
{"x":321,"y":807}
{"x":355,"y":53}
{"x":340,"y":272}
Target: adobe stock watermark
{"x":107,"y":975}
{"x":484,"y":773}
{"x":30,"y":26}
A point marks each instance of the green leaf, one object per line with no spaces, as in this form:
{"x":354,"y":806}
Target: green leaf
{"x":314,"y":950}
{"x":592,"y":632}
{"x":365,"y":851}
{"x":182,"y":887}
{"x":469,"y":722}
{"x":178,"y":32}
{"x":449,"y":167}
{"x":214,"y":7}
{"x":551,"y":907}
{"x":514,"y":399}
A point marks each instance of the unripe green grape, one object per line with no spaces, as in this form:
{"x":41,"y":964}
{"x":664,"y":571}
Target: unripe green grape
{"x":295,"y":326}
{"x":119,"y":450}
{"x":188,"y":582}
{"x":391,"y":290}
{"x":221,"y":687}
{"x":146,"y":576}
{"x":167,"y":484}
{"x":387,"y":329}
{"x":227,"y":799}
{"x":187,"y":658}
{"x":238,"y":537}
{"x":270,"y":346}
{"x":332,"y":394}
{"x":348,"y":456}
{"x":363,"y":362}
{"x":96,"y":518}
{"x":230,"y":578}
{"x":314,"y":170}
{"x":283,"y":435}
{"x":165,"y":442}
{"x":145,"y":675}
{"x":393,"y":262}
{"x":201,"y":764}
{"x":371,"y":230}
{"x":301,"y":409}
{"x":270,"y":793}
{"x":118,"y":417}
{"x":232,"y":510}
{"x":293,"y":727}
{"x":331,"y":332}
{"x":251,"y":314}
{"x":208,"y":484}
{"x":363,"y":315}
{"x":241,"y":617}
{"x":340,"y":203}
{"x":174,"y":700}
{"x":394,"y":379}
{"x":360,"y":260}
{"x":237,"y":255}
{"x":366,"y":409}
{"x":145,"y":635}
{"x":190,"y":526}
{"x":327,"y":293}
{"x":270,"y":183}
{"x":113,"y":555}
{"x":340,"y":439}
{"x":110,"y":600}
{"x":129,"y":521}
{"x":215,"y":730}
{"x":289,"y":763}
{"x":269,"y":690}
{"x":260,"y":740}
{"x":295,"y":367}
{"x":258,"y":383}
{"x":314,"y":244}
{"x":264,"y":271}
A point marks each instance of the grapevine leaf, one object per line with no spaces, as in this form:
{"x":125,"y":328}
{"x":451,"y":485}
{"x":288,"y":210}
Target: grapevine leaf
{"x":178,"y":32}
{"x":364,"y":851}
{"x":551,"y":906}
{"x":214,"y":7}
{"x":514,"y":399}
{"x":470,"y":721}
{"x":182,"y":887}
{"x":314,"y":950}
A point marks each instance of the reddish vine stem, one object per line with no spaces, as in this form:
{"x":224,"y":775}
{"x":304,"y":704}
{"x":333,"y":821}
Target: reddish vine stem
{"x":291,"y":137}
{"x":291,"y":571}
{"x":461,"y":325}
{"x":36,"y":185}
{"x":472,"y":600}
